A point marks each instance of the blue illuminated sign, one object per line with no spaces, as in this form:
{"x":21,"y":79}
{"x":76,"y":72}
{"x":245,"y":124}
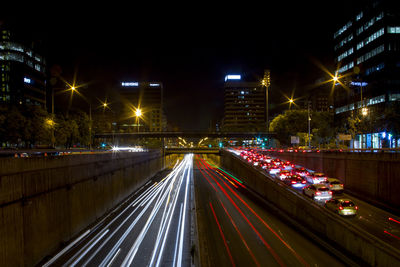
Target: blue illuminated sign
{"x":232,"y":77}
{"x":359,"y":83}
{"x":129,"y":84}
{"x":27,"y":80}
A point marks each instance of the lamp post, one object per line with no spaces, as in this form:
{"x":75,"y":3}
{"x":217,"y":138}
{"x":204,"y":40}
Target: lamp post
{"x":291,"y":101}
{"x":138,"y":113}
{"x":266,"y":82}
{"x":309,"y":124}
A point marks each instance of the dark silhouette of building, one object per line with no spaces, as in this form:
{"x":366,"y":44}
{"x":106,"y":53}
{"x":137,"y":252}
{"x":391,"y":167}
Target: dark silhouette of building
{"x":146,"y":97}
{"x":244,"y":107}
{"x":22,"y":69}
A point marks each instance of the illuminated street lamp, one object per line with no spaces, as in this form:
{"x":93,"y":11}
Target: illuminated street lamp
{"x":291,"y":101}
{"x":364,"y":111}
{"x":138,"y":114}
{"x":50,"y":122}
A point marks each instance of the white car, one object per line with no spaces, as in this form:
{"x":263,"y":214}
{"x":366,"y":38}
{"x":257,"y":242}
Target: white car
{"x":316,"y":178}
{"x":318,"y":192}
{"x":283,"y":174}
{"x":335,"y":185}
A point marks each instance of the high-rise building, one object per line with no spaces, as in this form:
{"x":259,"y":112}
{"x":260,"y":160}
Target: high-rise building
{"x":367,"y":51}
{"x":148,"y":97}
{"x":244,"y":107}
{"x":22,"y":70}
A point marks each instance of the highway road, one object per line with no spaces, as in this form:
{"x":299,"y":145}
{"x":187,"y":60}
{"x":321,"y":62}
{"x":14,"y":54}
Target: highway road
{"x":237,"y":229}
{"x":151,"y":228}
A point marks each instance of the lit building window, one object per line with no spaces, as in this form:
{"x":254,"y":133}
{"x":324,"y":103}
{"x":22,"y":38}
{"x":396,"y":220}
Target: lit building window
{"x":371,"y":38}
{"x":343,"y":29}
{"x":393,"y":29}
{"x":371,"y":53}
{"x":359,"y":16}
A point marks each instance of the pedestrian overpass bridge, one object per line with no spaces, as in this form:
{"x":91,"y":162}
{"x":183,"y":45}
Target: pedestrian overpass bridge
{"x":194,"y":150}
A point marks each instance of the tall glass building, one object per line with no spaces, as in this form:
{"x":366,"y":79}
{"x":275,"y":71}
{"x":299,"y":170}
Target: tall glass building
{"x":367,"y":53}
{"x":22,"y":70}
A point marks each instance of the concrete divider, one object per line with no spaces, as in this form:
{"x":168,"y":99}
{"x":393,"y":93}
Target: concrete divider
{"x":45,"y":202}
{"x":356,"y":241}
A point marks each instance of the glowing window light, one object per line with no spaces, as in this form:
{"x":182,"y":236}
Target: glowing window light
{"x":27,"y":80}
{"x":154,"y":84}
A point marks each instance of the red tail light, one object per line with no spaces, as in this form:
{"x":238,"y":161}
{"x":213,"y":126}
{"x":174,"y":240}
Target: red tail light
{"x":293,"y":182}
{"x":341,"y":184}
{"x":303,"y":182}
{"x":356,"y":207}
{"x":330,"y":192}
{"x":318,"y":193}
{"x":292,"y":165}
{"x":330,"y":185}
{"x":340,"y":207}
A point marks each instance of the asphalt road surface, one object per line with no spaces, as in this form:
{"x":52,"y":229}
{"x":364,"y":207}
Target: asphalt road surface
{"x":236,"y":229}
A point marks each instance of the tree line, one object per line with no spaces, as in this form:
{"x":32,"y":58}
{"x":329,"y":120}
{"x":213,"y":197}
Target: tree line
{"x":324,"y":130}
{"x":30,"y":126}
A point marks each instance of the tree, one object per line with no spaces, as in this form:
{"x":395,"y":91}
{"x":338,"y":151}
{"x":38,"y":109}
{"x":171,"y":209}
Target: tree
{"x":15,"y":124}
{"x":83,"y":123}
{"x":36,"y":128}
{"x":66,"y":131}
{"x":293,"y":122}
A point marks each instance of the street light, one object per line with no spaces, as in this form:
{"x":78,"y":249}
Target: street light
{"x":364,"y":111}
{"x":291,"y":101}
{"x":50,"y":122}
{"x":138,"y":114}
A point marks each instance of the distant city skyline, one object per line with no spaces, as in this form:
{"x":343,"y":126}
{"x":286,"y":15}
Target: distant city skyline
{"x":192,"y":61}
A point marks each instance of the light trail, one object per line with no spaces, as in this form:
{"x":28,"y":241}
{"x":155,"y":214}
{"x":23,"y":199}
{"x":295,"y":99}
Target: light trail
{"x":154,"y":207}
{"x":263,"y":222}
{"x":164,"y":199}
{"x":223,"y":236}
{"x":270,"y":249}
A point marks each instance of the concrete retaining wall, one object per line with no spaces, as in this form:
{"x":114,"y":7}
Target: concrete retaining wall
{"x":358,"y":242}
{"x":45,"y":202}
{"x":374,"y":177}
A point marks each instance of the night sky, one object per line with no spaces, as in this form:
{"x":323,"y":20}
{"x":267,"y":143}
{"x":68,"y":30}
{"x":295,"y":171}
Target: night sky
{"x":191,"y":48}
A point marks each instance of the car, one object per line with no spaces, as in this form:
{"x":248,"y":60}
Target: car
{"x":273,"y":169}
{"x":316,"y":178}
{"x":342,"y":206}
{"x":265,"y":165}
{"x":277,"y":161}
{"x":295,"y":180}
{"x":318,"y":192}
{"x":301,"y":171}
{"x":268,"y":159}
{"x":335,"y":185}
{"x":283,"y":174}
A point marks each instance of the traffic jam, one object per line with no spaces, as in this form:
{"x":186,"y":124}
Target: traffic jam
{"x":322,"y":189}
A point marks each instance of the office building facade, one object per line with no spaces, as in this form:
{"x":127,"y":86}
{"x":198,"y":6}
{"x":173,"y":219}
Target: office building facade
{"x":244,"y":105}
{"x":148,"y":97}
{"x":367,"y":52}
{"x":22,"y":70}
